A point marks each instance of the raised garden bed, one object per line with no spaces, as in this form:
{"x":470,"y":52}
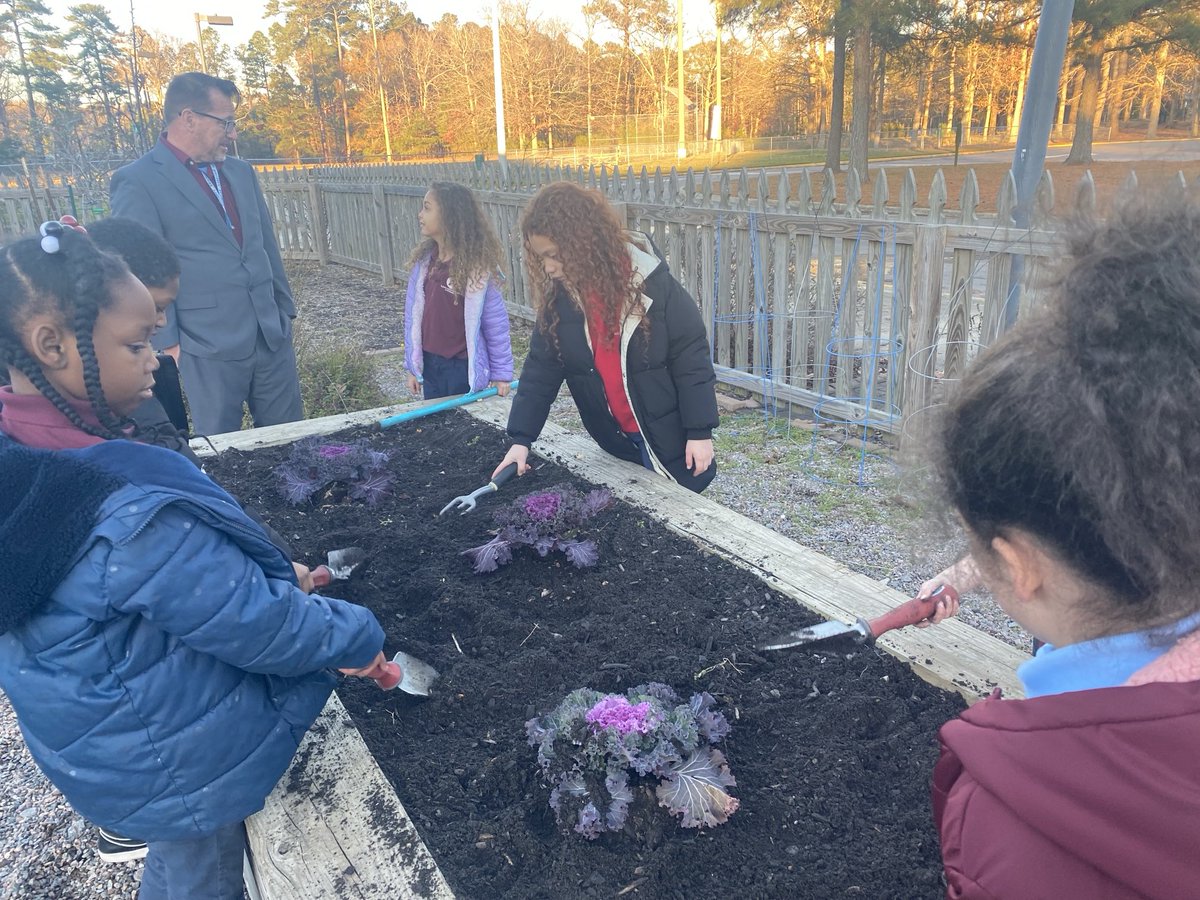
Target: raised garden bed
{"x":832,"y":752}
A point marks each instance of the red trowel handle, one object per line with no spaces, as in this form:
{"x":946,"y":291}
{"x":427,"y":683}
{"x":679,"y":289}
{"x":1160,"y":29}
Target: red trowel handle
{"x":321,"y":577}
{"x":918,"y":609}
{"x":387,"y":675}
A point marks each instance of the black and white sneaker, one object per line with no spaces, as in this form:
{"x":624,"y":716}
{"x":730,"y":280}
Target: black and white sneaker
{"x":114,"y":848}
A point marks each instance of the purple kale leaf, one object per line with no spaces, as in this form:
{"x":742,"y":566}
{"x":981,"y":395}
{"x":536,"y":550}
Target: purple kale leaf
{"x":696,"y":790}
{"x":581,"y":553}
{"x":490,"y":556}
{"x":713,"y":725}
{"x":550,"y":520}
{"x":592,"y":744}
{"x":312,"y":466}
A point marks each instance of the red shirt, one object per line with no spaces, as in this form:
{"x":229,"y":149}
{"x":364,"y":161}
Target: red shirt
{"x":443,"y":323}
{"x":606,"y":348}
{"x":230,"y":204}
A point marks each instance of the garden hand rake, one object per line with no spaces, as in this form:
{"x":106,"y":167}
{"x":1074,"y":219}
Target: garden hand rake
{"x":861,"y":631}
{"x":466,"y":502}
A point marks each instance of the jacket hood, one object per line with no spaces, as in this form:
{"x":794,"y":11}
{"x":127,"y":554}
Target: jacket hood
{"x":643,"y":254}
{"x":48,"y":508}
{"x":1108,"y":777}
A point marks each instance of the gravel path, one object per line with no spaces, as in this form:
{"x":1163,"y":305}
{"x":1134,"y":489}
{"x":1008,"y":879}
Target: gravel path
{"x":779,"y":475}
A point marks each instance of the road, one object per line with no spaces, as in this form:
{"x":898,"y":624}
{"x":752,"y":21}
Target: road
{"x":1109,"y":151}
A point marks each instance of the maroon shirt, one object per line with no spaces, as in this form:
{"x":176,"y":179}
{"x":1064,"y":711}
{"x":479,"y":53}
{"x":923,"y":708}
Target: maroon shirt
{"x":443,"y":325}
{"x":34,"y":421}
{"x":226,"y":191}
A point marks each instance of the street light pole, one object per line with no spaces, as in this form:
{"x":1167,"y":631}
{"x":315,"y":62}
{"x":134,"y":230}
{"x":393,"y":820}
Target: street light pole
{"x":498,"y":80}
{"x":207,"y":20}
{"x":1037,"y":118}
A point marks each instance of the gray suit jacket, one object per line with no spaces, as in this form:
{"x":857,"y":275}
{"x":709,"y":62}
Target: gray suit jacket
{"x":227,"y":293}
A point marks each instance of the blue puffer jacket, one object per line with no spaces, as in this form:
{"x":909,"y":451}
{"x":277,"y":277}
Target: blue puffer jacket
{"x":162,"y":662}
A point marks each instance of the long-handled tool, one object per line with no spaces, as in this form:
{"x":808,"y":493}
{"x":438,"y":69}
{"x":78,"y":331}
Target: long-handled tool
{"x":862,"y":631}
{"x":448,"y":403}
{"x":466,"y":502}
{"x":339,"y":565}
{"x":411,"y":675}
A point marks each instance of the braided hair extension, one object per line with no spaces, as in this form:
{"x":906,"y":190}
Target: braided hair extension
{"x":63,"y":274}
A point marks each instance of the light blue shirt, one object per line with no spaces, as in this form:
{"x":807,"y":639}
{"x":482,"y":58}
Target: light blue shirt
{"x":1100,"y":663}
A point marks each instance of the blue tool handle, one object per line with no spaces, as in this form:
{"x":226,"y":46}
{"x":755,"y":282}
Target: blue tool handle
{"x":448,"y":403}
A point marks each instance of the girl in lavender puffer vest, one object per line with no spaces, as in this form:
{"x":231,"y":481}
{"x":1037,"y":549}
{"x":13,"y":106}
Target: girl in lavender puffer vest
{"x":456,"y":333}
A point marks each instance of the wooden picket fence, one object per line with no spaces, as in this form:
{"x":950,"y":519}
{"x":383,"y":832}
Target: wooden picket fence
{"x":862,"y":311}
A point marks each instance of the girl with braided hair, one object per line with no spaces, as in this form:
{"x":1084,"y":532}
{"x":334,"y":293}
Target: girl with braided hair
{"x":615,"y":325}
{"x":160,"y":656}
{"x":1071,"y":454}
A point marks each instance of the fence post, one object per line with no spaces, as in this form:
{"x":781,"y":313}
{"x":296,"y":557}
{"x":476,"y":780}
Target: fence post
{"x":383,"y":222}
{"x":919,"y":359}
{"x":316,"y":206}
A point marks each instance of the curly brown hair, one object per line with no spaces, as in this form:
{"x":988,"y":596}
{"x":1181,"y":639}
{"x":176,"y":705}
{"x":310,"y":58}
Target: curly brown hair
{"x":1082,"y":426}
{"x":466,"y":234}
{"x":591,"y":247}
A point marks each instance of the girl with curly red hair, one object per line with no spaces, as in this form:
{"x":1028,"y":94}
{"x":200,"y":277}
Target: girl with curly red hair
{"x":615,"y":325}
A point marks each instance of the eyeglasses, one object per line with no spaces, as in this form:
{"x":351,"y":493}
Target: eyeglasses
{"x":230,"y":125}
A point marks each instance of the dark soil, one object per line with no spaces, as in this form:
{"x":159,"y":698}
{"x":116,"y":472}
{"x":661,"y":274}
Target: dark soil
{"x":832,"y":752}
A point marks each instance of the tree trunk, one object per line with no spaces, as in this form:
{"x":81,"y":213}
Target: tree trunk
{"x":1089,"y":96}
{"x":880,"y":84}
{"x":1018,"y":107}
{"x":1064,"y":94}
{"x":35,"y":124}
{"x":1160,"y":79}
{"x":950,"y":106}
{"x":1116,"y":93}
{"x":837,"y":106}
{"x":860,"y":114}
{"x":923,"y":127}
{"x":968,"y":113}
{"x":1196,"y":106}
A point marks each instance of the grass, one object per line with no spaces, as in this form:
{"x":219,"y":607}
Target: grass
{"x":335,"y":379}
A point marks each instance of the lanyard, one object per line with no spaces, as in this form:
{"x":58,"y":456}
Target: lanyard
{"x":214,"y":182}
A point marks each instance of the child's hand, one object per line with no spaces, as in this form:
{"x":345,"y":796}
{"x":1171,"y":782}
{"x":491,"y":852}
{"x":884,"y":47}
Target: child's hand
{"x":376,"y":669}
{"x":414,"y":386}
{"x":502,"y":388}
{"x":946,"y":607}
{"x":304,"y":576}
{"x":517,"y":453}
{"x":698,"y":455}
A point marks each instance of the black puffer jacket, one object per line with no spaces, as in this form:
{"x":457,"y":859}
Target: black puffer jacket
{"x":669,"y":379}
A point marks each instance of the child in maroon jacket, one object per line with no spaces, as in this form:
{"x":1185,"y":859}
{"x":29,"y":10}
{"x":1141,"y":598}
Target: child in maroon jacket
{"x":1072,"y":455}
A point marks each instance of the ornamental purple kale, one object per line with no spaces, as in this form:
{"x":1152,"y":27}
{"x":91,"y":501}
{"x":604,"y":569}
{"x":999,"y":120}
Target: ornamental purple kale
{"x":544,"y":520}
{"x":591,"y":745}
{"x":313,"y":466}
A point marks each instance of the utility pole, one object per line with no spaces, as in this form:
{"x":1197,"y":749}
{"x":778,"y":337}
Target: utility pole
{"x":498,"y":85}
{"x":1037,"y":118}
{"x":681,"y":105}
{"x":207,"y":20}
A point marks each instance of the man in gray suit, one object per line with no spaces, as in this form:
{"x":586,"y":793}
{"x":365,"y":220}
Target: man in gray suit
{"x":231,"y":325}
